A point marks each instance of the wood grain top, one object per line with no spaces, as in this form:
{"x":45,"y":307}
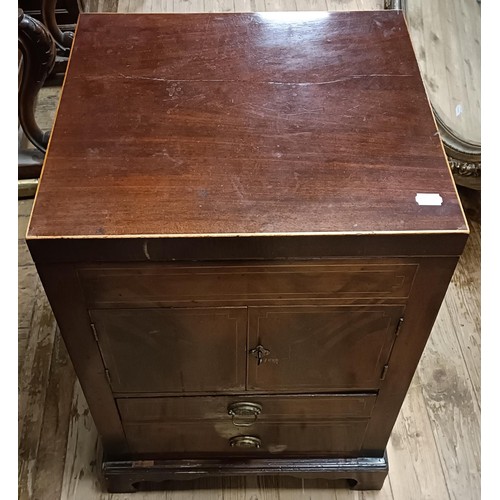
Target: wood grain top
{"x":243,"y":124}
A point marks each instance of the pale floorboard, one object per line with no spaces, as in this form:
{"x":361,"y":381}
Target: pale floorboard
{"x":317,"y":5}
{"x":48,"y":478}
{"x":452,"y":408}
{"x":434,"y":448}
{"x":418,"y":462}
{"x":446,"y":36}
{"x":466,"y":291}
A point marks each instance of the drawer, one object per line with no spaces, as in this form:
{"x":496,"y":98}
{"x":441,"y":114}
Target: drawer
{"x":272,"y":408}
{"x":284,"y":424}
{"x":340,"y":437}
{"x":161,"y":284}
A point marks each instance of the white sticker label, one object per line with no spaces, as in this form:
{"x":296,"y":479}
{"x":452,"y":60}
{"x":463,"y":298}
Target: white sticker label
{"x":429,"y":199}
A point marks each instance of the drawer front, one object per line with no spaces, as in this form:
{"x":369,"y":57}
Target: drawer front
{"x":268,"y":408}
{"x":320,"y":348}
{"x":283,"y":424}
{"x":173,"y":350}
{"x":338,"y":437}
{"x":161,"y":284}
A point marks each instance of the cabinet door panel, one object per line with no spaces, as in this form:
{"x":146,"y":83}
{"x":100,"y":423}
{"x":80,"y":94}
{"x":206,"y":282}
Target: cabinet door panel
{"x":320,"y":348}
{"x":173,"y":350}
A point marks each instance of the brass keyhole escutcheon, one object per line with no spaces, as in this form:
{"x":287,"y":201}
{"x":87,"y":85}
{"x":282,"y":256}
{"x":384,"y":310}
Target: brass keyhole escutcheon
{"x":259,"y":352}
{"x":244,"y":413}
{"x":245,"y":442}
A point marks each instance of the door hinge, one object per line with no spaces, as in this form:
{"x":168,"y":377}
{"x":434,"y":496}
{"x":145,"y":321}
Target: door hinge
{"x":94,"y":332}
{"x":384,"y":372}
{"x":400,"y":324}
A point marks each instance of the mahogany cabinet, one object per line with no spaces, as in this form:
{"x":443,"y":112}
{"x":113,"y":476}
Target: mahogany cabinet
{"x":245,"y":235}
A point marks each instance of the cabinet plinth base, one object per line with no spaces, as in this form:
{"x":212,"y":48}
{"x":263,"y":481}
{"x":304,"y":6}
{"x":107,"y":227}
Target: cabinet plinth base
{"x":364,"y":473}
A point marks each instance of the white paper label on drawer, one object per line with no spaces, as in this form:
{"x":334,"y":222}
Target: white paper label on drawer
{"x":432,"y":199}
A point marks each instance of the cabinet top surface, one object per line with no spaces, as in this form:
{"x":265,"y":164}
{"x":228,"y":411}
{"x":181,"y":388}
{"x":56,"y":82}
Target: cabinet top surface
{"x":227,"y":124}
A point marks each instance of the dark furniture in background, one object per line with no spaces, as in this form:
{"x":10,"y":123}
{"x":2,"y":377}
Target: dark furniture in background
{"x":38,"y":57}
{"x":66,"y":11}
{"x":245,"y":241}
{"x":45,"y":34}
{"x":59,"y":16}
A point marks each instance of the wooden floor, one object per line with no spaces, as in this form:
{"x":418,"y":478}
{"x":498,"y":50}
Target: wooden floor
{"x":434,"y":451}
{"x":446,"y":38}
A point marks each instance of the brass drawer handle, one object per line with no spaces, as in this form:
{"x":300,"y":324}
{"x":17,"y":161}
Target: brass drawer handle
{"x":244,"y":413}
{"x":245,"y":442}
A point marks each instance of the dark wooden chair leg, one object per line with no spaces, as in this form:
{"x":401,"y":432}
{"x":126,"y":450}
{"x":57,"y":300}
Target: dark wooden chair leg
{"x":39,"y":53}
{"x":63,"y":39}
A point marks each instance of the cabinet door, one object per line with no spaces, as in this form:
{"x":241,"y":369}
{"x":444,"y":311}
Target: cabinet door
{"x":319,"y":347}
{"x":173,"y":350}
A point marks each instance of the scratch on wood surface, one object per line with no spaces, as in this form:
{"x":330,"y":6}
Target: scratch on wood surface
{"x":164,"y":153}
{"x":225,"y":80}
{"x":145,"y":78}
{"x":238,"y":188}
{"x":145,"y":248}
{"x":344,"y":79}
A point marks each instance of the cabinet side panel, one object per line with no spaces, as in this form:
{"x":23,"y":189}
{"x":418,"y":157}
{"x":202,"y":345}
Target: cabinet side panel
{"x":65,"y":296}
{"x":429,"y":289}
